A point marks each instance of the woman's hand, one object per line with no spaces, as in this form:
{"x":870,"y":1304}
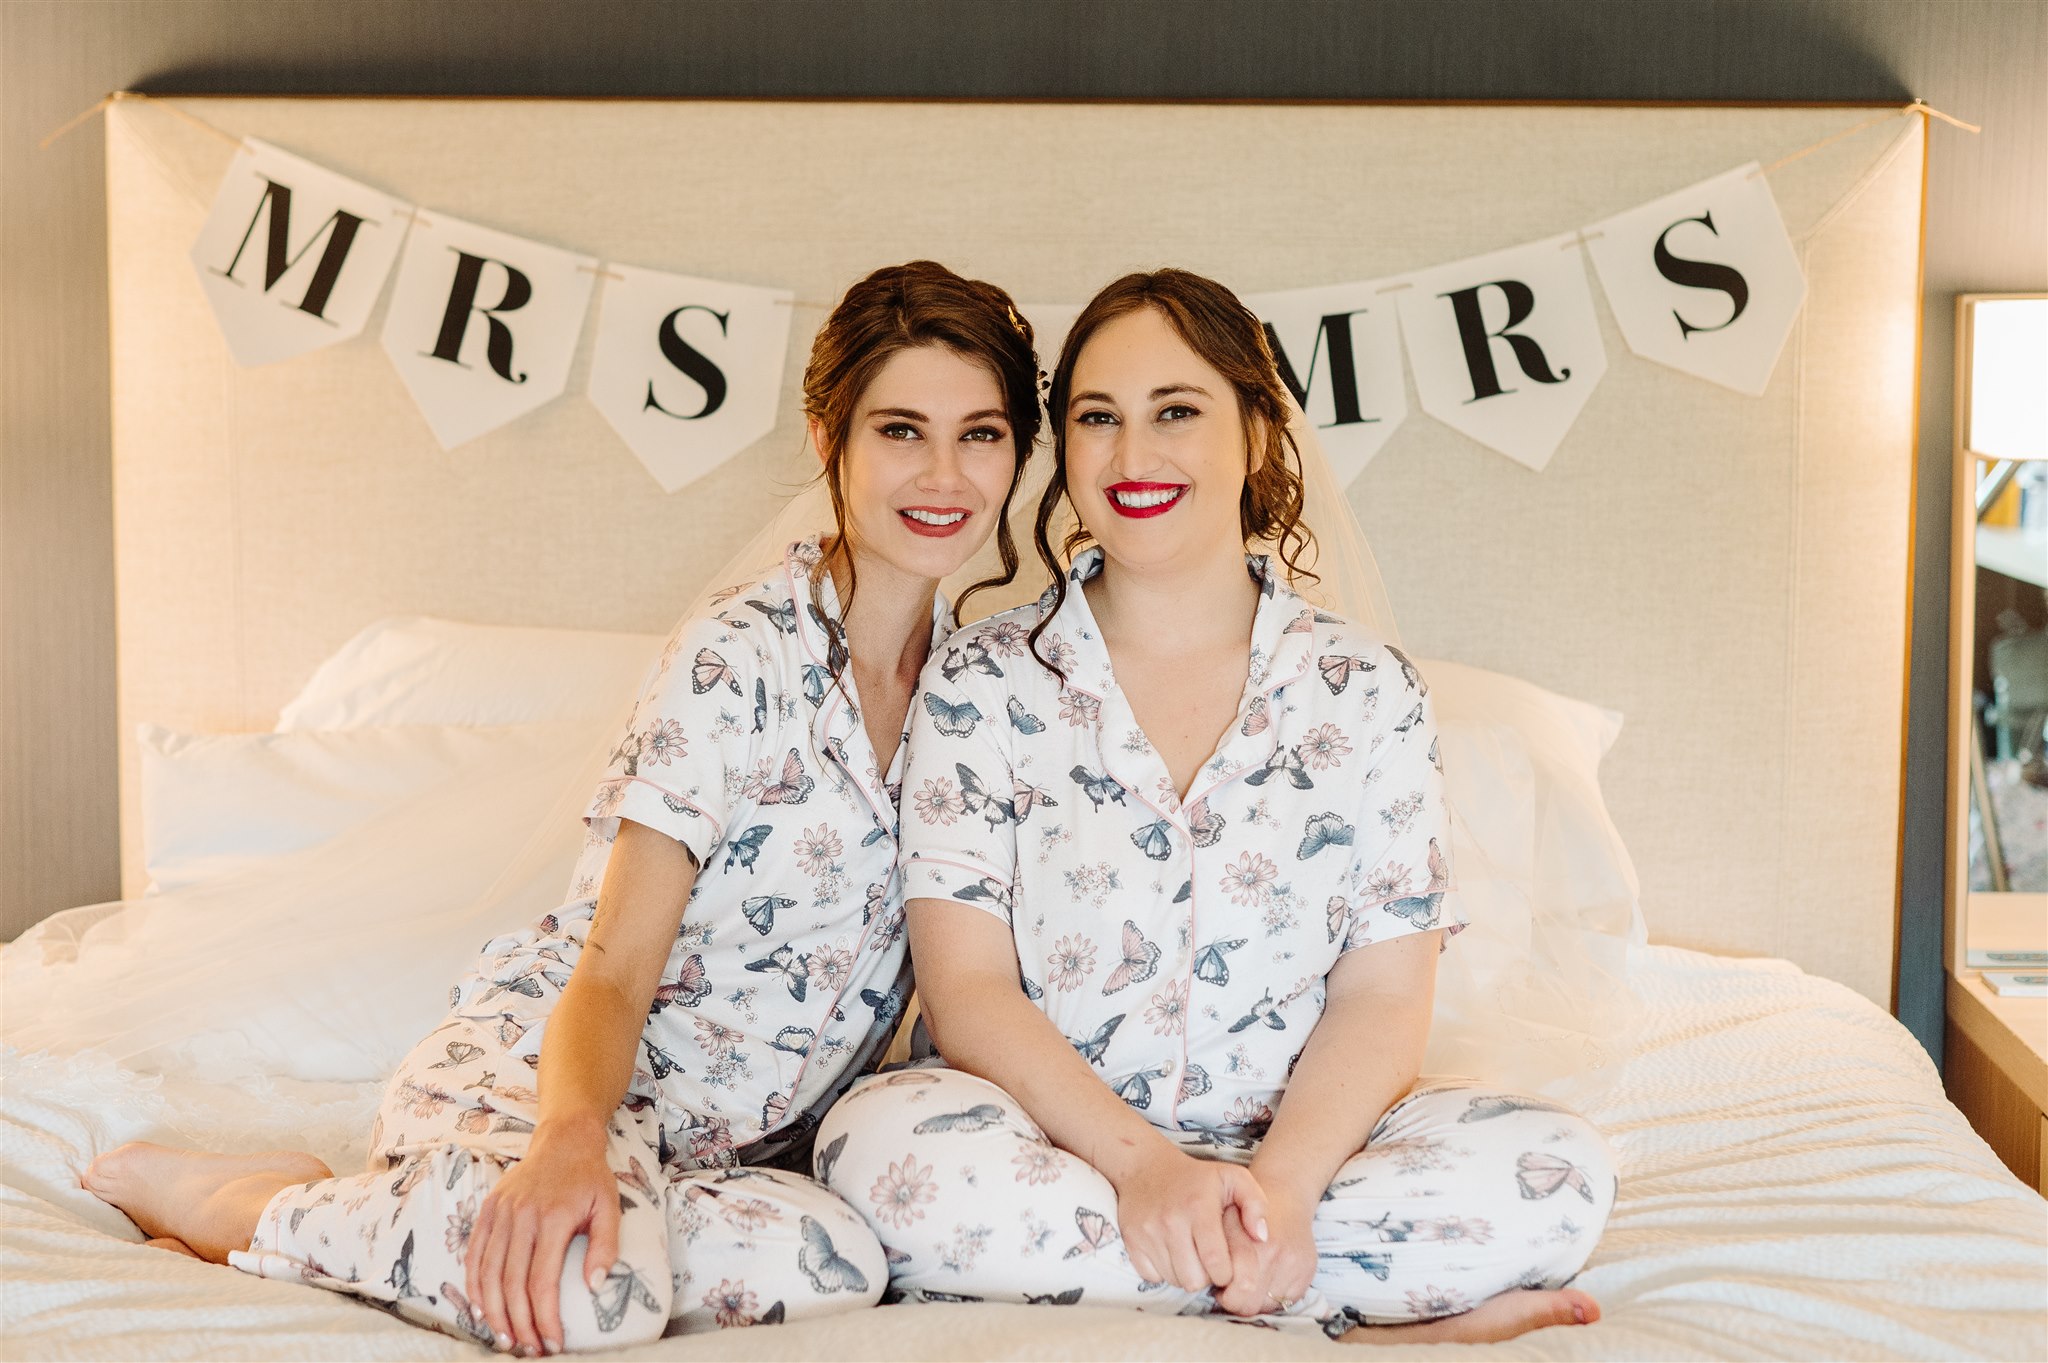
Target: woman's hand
{"x":1270,"y":1275}
{"x":1171,"y":1208}
{"x":563,"y":1188}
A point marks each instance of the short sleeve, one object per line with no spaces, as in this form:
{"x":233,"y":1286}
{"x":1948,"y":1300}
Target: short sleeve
{"x":958,"y":838}
{"x":1400,"y":873}
{"x":693,"y":741}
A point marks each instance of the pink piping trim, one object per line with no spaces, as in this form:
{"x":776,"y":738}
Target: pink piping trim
{"x":860,"y":949}
{"x":1188,"y":1019}
{"x":718,"y":829}
{"x":985,"y":872}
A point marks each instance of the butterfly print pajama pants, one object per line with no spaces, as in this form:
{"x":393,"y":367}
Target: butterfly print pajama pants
{"x":1461,"y":1192}
{"x":699,"y":1249}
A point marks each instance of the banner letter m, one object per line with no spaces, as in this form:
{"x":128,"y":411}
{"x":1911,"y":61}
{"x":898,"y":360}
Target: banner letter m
{"x":339,"y":231}
{"x":1344,"y":398}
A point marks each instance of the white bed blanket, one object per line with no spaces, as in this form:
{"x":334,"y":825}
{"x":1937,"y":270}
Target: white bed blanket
{"x":1794,"y":1184}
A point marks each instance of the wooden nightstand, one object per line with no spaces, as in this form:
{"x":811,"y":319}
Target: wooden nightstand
{"x":1996,"y":1068}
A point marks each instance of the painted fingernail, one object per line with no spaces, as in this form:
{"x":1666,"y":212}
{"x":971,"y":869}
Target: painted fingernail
{"x":1259,"y":1231}
{"x":1578,"y":1313}
{"x":553,"y":1346}
{"x":504,"y":1341}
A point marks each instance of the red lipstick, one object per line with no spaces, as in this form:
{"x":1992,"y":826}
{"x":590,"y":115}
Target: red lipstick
{"x":943,"y":514}
{"x":1160,"y":498}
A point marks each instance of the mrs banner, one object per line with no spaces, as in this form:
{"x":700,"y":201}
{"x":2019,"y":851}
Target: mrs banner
{"x":483,"y":326}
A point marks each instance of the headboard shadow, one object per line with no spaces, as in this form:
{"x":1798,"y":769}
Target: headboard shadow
{"x":1730,"y":572}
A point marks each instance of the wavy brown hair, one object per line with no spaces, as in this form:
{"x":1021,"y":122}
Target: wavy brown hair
{"x":899,"y":307}
{"x":1232,"y":340}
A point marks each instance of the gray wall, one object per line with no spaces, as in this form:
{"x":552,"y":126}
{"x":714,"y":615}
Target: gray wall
{"x":1987,"y":230}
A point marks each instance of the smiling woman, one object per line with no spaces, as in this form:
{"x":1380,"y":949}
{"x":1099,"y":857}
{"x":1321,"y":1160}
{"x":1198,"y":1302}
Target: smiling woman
{"x":612,"y":1108}
{"x":1222,"y":1095}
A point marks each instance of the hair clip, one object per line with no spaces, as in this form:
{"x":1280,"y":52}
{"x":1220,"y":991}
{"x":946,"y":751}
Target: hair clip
{"x":1017,"y":322}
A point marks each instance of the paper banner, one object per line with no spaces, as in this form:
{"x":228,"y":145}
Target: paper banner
{"x":1506,"y":347}
{"x":688,"y":371}
{"x":1705,"y":280}
{"x":483,"y":324}
{"x":1339,"y":350}
{"x":293,"y":256}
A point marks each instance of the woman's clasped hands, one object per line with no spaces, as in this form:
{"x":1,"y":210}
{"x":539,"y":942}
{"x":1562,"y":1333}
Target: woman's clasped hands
{"x":1206,"y":1225}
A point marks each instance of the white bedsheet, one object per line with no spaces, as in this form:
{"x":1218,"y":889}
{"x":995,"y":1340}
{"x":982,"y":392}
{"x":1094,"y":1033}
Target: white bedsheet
{"x":1793,"y":1185}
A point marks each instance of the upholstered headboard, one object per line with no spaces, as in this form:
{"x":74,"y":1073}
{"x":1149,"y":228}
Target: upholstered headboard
{"x":1729,"y":571}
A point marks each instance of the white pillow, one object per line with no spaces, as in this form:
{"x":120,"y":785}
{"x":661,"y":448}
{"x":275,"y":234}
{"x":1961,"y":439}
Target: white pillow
{"x":1463,"y":692}
{"x":213,"y":805}
{"x":418,"y":670}
{"x":1534,"y":993}
{"x":1525,"y":755}
{"x":331,"y":962}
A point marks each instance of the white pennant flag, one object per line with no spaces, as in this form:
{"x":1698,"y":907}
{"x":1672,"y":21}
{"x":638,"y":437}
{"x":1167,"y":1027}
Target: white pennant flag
{"x":1339,"y":352}
{"x":1506,"y":347}
{"x":483,"y":324}
{"x":688,"y":371}
{"x":1705,"y":280}
{"x":293,"y":256}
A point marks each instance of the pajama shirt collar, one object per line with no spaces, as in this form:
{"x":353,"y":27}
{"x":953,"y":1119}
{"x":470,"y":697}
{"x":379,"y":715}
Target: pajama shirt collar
{"x":836,"y":728}
{"x":1283,"y":641}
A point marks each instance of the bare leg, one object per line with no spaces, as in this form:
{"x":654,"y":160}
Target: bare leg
{"x":1500,"y":1317}
{"x":208,"y":1202}
{"x":175,"y":1246}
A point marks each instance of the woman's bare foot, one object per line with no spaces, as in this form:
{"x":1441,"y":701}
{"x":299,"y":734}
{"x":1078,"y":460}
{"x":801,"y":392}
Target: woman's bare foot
{"x":1496,"y":1318}
{"x":209,"y":1203}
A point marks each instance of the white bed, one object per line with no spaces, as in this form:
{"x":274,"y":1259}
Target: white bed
{"x":1794,"y":1184}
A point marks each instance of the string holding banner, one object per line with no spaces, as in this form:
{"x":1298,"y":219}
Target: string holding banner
{"x":114,"y":97}
{"x":1918,"y":106}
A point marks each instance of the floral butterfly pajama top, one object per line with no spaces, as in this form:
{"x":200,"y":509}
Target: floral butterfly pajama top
{"x":782,"y":988}
{"x":791,"y":966}
{"x":1182,"y":947}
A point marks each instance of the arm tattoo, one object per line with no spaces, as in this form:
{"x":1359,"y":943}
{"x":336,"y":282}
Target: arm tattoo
{"x":604,"y":902}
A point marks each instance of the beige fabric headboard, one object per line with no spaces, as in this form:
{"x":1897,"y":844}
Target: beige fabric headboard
{"x":1728,"y":571}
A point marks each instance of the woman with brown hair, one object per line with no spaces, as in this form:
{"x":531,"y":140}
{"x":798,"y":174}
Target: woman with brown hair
{"x":1175,"y":856}
{"x":600,"y":1137}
